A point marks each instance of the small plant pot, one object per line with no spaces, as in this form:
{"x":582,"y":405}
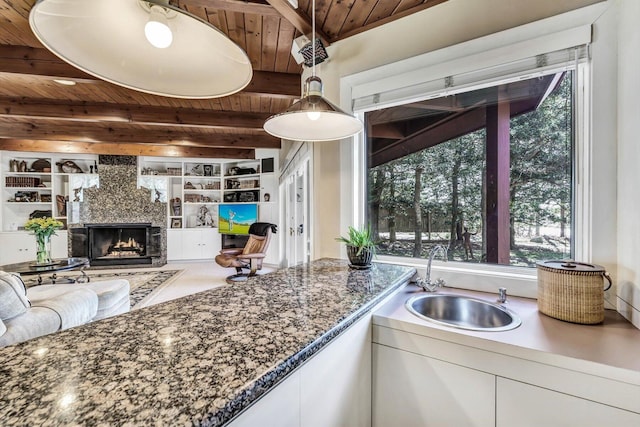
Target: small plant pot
{"x":361,"y":260}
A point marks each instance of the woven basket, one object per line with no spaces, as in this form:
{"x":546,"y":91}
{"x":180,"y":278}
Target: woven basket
{"x":572,"y":291}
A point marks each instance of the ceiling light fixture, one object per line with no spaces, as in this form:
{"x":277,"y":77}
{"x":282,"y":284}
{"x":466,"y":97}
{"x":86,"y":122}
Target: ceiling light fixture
{"x":65,"y":82}
{"x":116,"y":40}
{"x":313,"y":118}
{"x":157,"y":28}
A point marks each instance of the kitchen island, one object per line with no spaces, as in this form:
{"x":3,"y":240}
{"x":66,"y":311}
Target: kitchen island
{"x":198,"y":360}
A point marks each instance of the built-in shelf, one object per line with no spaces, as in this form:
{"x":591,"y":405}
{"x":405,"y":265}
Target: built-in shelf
{"x":169,"y":178}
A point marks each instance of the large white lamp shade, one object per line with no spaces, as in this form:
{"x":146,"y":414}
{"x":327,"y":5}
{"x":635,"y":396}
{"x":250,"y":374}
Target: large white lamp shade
{"x":106,"y":38}
{"x":313,"y":118}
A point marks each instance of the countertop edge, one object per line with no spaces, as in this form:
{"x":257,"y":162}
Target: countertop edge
{"x":260,"y":387}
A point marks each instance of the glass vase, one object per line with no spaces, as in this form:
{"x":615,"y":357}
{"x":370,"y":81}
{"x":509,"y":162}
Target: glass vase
{"x":43,"y":249}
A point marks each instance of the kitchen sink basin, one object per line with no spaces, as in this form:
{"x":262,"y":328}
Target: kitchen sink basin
{"x":463,"y":312}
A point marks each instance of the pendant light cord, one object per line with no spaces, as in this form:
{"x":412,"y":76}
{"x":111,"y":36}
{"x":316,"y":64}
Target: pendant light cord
{"x":313,"y":36}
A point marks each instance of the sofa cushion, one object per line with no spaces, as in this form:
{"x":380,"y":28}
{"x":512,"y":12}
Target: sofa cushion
{"x":75,"y":306}
{"x":111,"y":293}
{"x":37,"y":321}
{"x":3,"y":327}
{"x":13,"y":296}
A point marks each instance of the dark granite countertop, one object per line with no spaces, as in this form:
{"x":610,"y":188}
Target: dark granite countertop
{"x":198,"y":360}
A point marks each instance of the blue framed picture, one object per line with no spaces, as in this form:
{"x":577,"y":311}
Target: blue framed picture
{"x":236,"y":218}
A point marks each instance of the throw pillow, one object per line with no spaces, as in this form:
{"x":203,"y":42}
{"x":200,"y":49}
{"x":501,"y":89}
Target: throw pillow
{"x":13,"y":296}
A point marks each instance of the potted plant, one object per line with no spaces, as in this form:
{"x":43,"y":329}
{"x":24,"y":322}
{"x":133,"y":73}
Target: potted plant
{"x":360,"y":247}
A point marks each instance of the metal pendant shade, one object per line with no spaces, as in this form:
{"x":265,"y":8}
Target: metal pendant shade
{"x":106,"y":38}
{"x":313,"y":118}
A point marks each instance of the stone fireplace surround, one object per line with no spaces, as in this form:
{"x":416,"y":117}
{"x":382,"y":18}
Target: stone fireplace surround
{"x":119,"y":201}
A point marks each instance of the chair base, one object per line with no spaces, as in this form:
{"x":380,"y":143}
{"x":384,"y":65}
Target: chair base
{"x":237,"y":278}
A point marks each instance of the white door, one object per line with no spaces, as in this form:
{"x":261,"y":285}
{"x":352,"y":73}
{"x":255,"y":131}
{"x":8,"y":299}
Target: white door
{"x":302,"y":213}
{"x":297,"y":192}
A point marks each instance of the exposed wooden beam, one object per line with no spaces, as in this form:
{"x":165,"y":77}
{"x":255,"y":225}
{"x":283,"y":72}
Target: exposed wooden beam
{"x":274,"y":85}
{"x":123,"y":149}
{"x":497,"y":179}
{"x":426,"y":5}
{"x":95,"y":132}
{"x":387,"y":131}
{"x":299,"y":20}
{"x":132,"y":114}
{"x":41,"y":62}
{"x":438,"y":132}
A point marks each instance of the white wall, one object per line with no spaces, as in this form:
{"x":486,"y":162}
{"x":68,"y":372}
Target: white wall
{"x":446,"y":24}
{"x":628,"y":271}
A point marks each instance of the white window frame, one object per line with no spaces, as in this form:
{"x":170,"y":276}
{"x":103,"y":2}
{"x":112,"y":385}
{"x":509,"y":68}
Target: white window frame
{"x":463,"y":58}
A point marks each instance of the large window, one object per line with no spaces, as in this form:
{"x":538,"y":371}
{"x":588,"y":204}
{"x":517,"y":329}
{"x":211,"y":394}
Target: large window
{"x":486,"y":173}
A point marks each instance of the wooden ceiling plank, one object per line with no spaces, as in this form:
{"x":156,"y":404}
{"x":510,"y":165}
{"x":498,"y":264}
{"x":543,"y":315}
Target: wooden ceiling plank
{"x":357,"y":16}
{"x":270,"y":35}
{"x":322,"y":10}
{"x":381,"y":10}
{"x":354,"y":28}
{"x":336,"y":17}
{"x":123,"y":149}
{"x":198,"y":11}
{"x":235,"y":28}
{"x":240,"y":6}
{"x":265,"y":105}
{"x":15,"y":21}
{"x":407,"y":4}
{"x":253,"y":26}
{"x":286,"y":34}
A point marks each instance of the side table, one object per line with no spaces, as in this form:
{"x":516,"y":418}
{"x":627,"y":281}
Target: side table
{"x":65,"y":264}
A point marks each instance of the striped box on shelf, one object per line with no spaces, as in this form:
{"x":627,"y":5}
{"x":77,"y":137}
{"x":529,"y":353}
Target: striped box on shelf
{"x":21,"y":181}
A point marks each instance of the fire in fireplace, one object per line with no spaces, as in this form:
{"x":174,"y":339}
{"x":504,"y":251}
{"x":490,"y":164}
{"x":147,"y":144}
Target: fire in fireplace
{"x":117,"y":244}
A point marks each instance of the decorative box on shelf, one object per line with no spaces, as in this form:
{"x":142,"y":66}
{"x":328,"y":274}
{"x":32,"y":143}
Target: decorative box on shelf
{"x":249,"y":183}
{"x":22,"y":181}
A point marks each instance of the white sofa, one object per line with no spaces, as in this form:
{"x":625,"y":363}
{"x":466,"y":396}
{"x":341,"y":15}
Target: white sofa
{"x":26,"y":313}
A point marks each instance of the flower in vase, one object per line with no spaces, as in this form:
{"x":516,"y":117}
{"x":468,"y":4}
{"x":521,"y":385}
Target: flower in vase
{"x":43,"y":229}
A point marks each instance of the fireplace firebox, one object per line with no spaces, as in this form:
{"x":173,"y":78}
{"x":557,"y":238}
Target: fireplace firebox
{"x":117,"y":244}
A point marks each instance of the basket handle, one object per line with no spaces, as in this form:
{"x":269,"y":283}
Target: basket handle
{"x":606,"y":276}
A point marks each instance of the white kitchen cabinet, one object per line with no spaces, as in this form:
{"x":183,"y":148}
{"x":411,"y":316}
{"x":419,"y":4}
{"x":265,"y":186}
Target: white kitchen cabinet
{"x":20,"y":246}
{"x":336,"y":382}
{"x":334,"y":387}
{"x":279,"y":407}
{"x":524,"y":405}
{"x":413,"y":390}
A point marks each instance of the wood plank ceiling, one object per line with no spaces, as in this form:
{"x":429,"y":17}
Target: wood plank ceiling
{"x":38,"y":114}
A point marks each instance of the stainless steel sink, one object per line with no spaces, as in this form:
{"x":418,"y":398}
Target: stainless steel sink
{"x":463,"y":312}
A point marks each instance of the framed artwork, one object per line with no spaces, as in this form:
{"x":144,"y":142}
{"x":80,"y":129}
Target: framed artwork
{"x":208,"y":170}
{"x":176,"y":222}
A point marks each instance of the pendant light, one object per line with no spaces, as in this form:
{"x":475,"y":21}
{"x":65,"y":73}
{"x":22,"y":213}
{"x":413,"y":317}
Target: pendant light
{"x":313,"y":118}
{"x":145,"y":45}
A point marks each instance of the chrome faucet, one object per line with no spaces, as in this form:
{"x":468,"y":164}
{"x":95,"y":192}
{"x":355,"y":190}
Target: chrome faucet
{"x":502,"y":295}
{"x":426,"y":283}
